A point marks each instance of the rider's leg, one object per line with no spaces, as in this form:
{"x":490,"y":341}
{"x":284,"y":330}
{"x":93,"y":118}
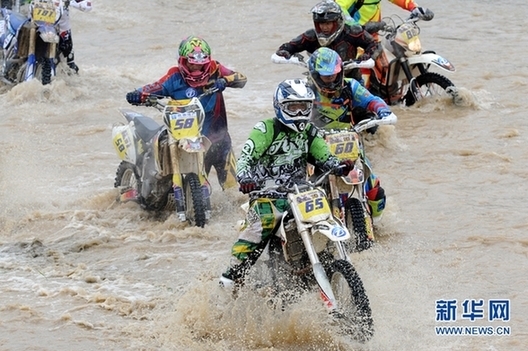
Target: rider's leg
{"x":261,"y":220}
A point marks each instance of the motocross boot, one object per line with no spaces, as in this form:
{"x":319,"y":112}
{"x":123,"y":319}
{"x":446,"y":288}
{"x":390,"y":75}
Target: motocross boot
{"x":234,"y":275}
{"x":377,"y":207}
{"x":238,"y":268}
{"x":71,"y":63}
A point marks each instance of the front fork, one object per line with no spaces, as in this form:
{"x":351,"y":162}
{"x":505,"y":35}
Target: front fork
{"x":177,"y":184}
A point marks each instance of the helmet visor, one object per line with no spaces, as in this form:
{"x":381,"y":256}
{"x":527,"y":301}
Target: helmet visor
{"x":296,"y":108}
{"x":198,"y":58}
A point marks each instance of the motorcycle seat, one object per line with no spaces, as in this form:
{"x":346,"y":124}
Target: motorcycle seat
{"x":16,"y":20}
{"x":146,"y":127}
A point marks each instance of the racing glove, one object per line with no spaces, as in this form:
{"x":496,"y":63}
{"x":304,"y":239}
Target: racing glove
{"x":345,"y":167}
{"x":82,"y":5}
{"x":135,"y":97}
{"x":422,"y":13}
{"x":374,"y":27}
{"x":247,"y":185}
{"x":220,"y":84}
{"x":284,"y":54}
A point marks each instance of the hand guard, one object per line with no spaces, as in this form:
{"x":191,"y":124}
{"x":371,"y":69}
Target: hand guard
{"x":384,"y":113}
{"x":220,"y":84}
{"x":345,"y":167}
{"x":374,"y":27}
{"x":135,"y":98}
{"x":422,"y":13}
{"x":283,"y":53}
{"x":247,"y":185}
{"x":364,"y":57}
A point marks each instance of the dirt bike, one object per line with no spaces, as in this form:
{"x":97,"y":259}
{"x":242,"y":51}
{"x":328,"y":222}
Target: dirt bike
{"x":346,"y":194}
{"x":307,"y":251}
{"x":30,"y":45}
{"x":162,"y":166}
{"x":401,"y":73}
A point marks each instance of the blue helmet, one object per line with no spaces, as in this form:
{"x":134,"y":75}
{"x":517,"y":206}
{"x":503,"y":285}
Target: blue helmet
{"x":293,"y":101}
{"x":326,"y":62}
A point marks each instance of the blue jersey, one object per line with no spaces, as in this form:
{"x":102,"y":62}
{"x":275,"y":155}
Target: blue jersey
{"x":174,"y":85}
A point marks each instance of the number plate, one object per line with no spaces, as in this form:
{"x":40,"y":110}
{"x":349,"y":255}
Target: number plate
{"x":311,"y":203}
{"x":345,"y":145}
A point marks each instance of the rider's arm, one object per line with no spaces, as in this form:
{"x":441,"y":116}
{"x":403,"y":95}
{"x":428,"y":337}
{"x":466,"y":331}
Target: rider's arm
{"x":362,"y":39}
{"x":347,"y":6}
{"x":82,"y":5}
{"x":363,"y":98}
{"x":258,"y":142}
{"x":320,"y":153}
{"x":233,"y":79}
{"x":307,"y":41}
{"x":162,"y":85}
{"x":408,"y":5}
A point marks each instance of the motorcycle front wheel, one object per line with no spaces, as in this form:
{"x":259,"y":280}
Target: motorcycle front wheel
{"x":195,"y":205}
{"x":353,"y":311}
{"x":430,"y":84}
{"x":358,"y":224}
{"x":43,"y":72}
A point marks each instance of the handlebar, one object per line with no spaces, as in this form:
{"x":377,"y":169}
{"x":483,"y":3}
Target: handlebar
{"x":268,"y":188}
{"x":153,"y":100}
{"x":372,"y":122}
{"x":298,"y":59}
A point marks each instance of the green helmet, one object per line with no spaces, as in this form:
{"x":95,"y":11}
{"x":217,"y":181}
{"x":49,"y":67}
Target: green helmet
{"x":194,"y":46}
{"x":195,"y":51}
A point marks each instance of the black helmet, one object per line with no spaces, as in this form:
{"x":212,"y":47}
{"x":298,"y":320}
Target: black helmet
{"x":328,"y":12}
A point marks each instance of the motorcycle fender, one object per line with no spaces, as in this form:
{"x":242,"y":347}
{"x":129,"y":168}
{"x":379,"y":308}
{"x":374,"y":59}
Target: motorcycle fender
{"x":198,"y":144}
{"x":332,"y":229}
{"x":434,"y":59}
{"x":123,"y":141}
{"x":48,"y":33}
{"x":188,"y":162}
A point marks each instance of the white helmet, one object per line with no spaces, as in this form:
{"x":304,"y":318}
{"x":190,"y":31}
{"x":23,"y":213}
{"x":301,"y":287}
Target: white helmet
{"x":293,"y":101}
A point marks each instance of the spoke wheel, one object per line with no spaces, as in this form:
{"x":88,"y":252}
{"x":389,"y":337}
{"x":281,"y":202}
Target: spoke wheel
{"x":353,"y":311}
{"x":430,"y":85}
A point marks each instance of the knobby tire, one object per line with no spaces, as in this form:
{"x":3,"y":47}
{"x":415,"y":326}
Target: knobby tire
{"x":428,"y":78}
{"x":195,"y":205}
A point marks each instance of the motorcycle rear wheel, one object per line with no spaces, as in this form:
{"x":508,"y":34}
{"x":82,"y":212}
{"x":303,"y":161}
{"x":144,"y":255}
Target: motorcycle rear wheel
{"x":431,"y":84}
{"x":195,"y":205}
{"x":356,"y":222}
{"x":353,"y":307}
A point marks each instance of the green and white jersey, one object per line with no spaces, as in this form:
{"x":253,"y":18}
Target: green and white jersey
{"x":274,"y":151}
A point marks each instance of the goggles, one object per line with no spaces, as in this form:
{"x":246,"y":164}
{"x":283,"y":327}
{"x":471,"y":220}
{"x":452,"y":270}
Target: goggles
{"x":297,"y":107}
{"x":198,"y":58}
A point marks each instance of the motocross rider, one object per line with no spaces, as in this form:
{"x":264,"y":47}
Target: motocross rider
{"x":197,"y":72}
{"x":367,"y":13}
{"x":277,"y":149}
{"x":361,"y":12}
{"x":341,"y":102}
{"x":66,"y":42}
{"x":331,"y":31}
